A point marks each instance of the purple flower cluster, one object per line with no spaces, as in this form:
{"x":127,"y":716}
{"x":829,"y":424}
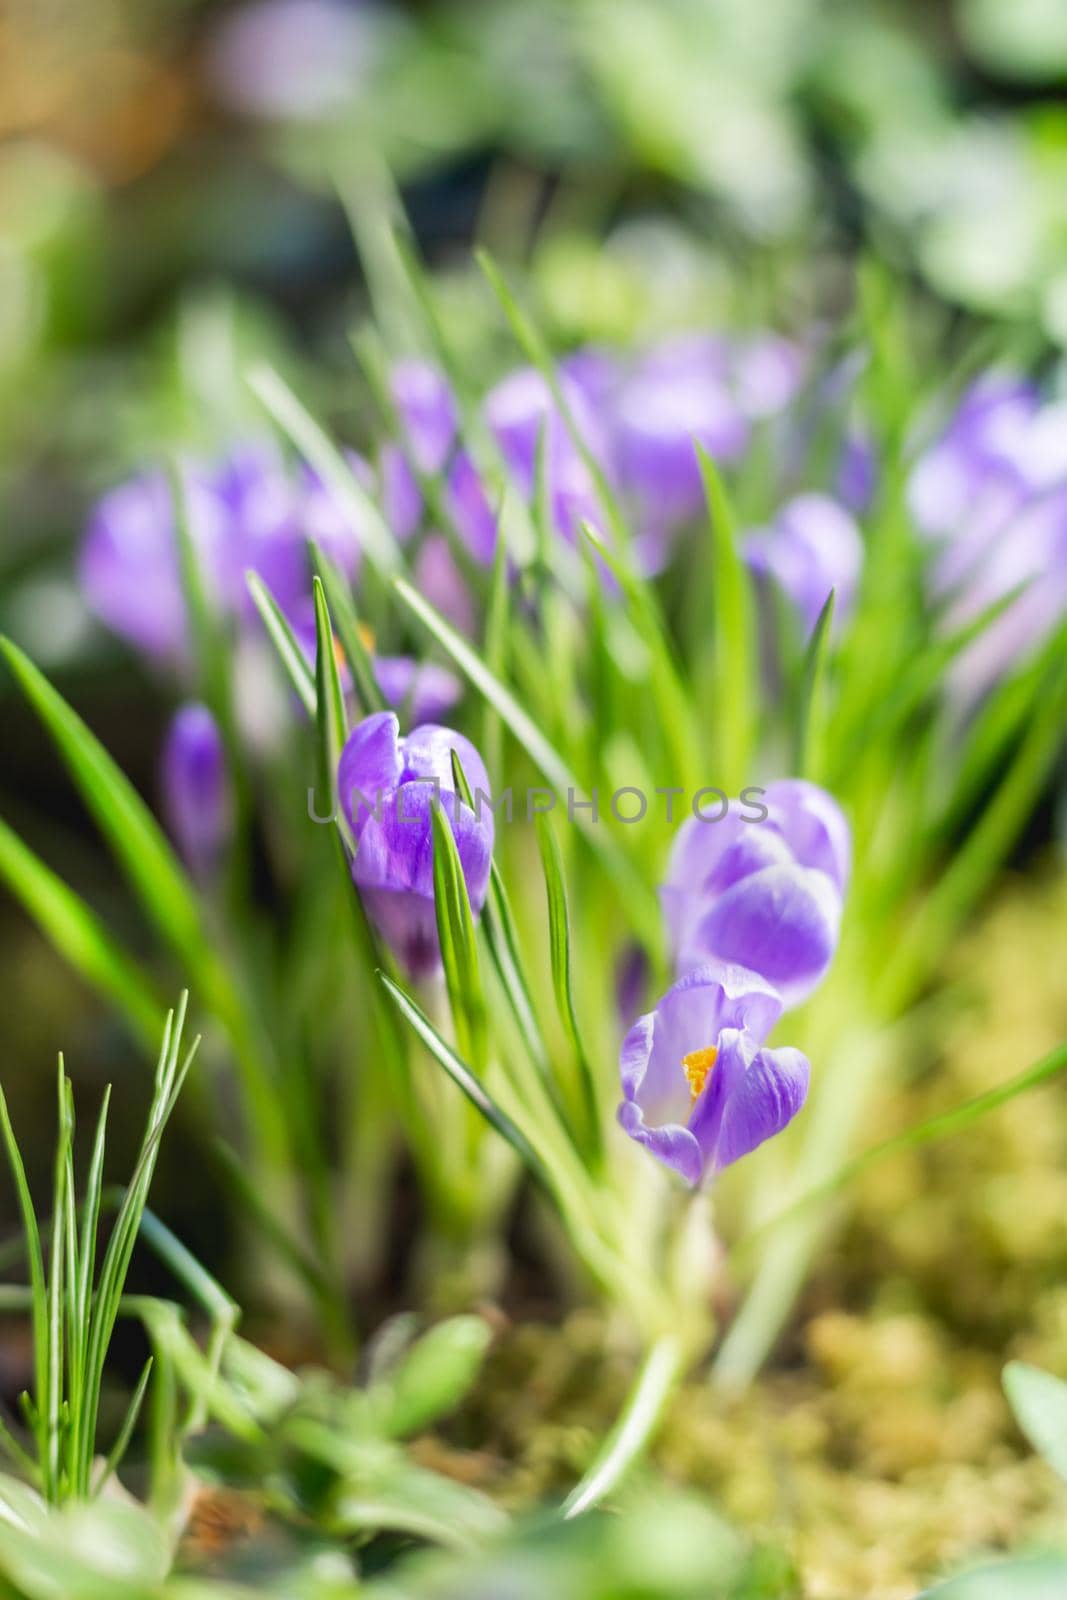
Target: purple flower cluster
{"x":754,"y":913}
{"x":990,"y":496}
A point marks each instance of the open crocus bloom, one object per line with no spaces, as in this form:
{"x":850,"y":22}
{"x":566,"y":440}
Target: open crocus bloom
{"x":766,"y":893}
{"x":699,"y":1091}
{"x":387,"y":787}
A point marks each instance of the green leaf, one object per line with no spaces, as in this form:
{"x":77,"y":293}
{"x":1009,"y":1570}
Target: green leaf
{"x":346,"y":626}
{"x":811,"y":711}
{"x":125,"y":1433}
{"x":436,"y":1373}
{"x":732,"y":695}
{"x":560,"y":948}
{"x":461,"y":1074}
{"x":122,"y":816}
{"x":319,"y":450}
{"x":459,"y":950}
{"x":1039,"y":1402}
{"x":537,"y":352}
{"x":78,"y":934}
{"x":284,"y":641}
{"x":330,"y":722}
{"x":38,"y":1288}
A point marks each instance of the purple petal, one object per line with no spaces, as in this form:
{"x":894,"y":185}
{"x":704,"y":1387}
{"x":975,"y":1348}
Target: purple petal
{"x":197,"y":799}
{"x":783,"y":922}
{"x":763,"y":1101}
{"x":370,"y":767}
{"x":672,"y":1144}
{"x":439,"y":580}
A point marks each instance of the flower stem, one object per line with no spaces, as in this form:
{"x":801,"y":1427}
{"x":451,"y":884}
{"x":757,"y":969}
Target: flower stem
{"x":635,"y":1427}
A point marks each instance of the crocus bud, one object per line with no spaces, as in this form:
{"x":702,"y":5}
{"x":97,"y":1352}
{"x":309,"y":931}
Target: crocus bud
{"x":197,"y":798}
{"x":387,"y":787}
{"x":765,"y":892}
{"x":699,"y":1091}
{"x":811,"y":547}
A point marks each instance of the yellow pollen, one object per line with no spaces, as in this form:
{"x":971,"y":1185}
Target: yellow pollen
{"x":697,"y":1065}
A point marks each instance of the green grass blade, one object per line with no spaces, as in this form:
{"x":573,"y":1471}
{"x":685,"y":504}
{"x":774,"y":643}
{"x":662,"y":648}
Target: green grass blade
{"x":641,"y":898}
{"x":459,"y":949}
{"x":346,"y":626}
{"x":537,"y":352}
{"x":810,"y":726}
{"x":62,"y":1205}
{"x":464,"y":1078}
{"x":38,"y":1292}
{"x":733,"y":693}
{"x":319,"y":450}
{"x":78,"y":934}
{"x":122,"y":816}
{"x":284,"y":641}
{"x":125,"y":1433}
{"x":559,"y":933}
{"x":330,"y":721}
{"x":494,"y":652}
{"x":945,"y":1125}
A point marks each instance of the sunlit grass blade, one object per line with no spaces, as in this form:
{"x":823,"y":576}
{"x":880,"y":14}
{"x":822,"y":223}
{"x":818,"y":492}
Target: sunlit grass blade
{"x":346,"y":626}
{"x":62,"y":1210}
{"x":559,"y":932}
{"x":285,"y":642}
{"x":331,"y":724}
{"x":494,"y":652}
{"x":733,"y":693}
{"x":129,"y":826}
{"x":288,"y":1249}
{"x":978,"y":857}
{"x":945,"y":1125}
{"x":635,"y":1427}
{"x":640,"y":897}
{"x":38,"y":1291}
{"x":78,"y":934}
{"x":464,"y":1078}
{"x":810,"y":724}
{"x":674,"y":703}
{"x":503,"y":942}
{"x":459,"y":950}
{"x":319,"y":450}
{"x":537,"y":352}
{"x":125,"y":1434}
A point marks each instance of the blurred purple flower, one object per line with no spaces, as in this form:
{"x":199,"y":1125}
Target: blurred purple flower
{"x":247,"y":512}
{"x":811,"y":546}
{"x":387,"y":787}
{"x":422,"y":689}
{"x":196,"y":792}
{"x":519,"y":410}
{"x":767,"y":893}
{"x":293,"y":59}
{"x":677,"y":395}
{"x":699,"y":1092}
{"x":972,"y":478}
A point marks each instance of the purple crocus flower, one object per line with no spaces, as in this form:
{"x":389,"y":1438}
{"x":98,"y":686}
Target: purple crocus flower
{"x":196,"y":792}
{"x":387,"y":787}
{"x":767,"y":893}
{"x":247,"y":512}
{"x":519,"y":410}
{"x":295,"y":60}
{"x":423,"y":689}
{"x":129,"y":568}
{"x":973,"y":477}
{"x":699,"y":1091}
{"x":811,"y":547}
{"x":679,"y":395}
